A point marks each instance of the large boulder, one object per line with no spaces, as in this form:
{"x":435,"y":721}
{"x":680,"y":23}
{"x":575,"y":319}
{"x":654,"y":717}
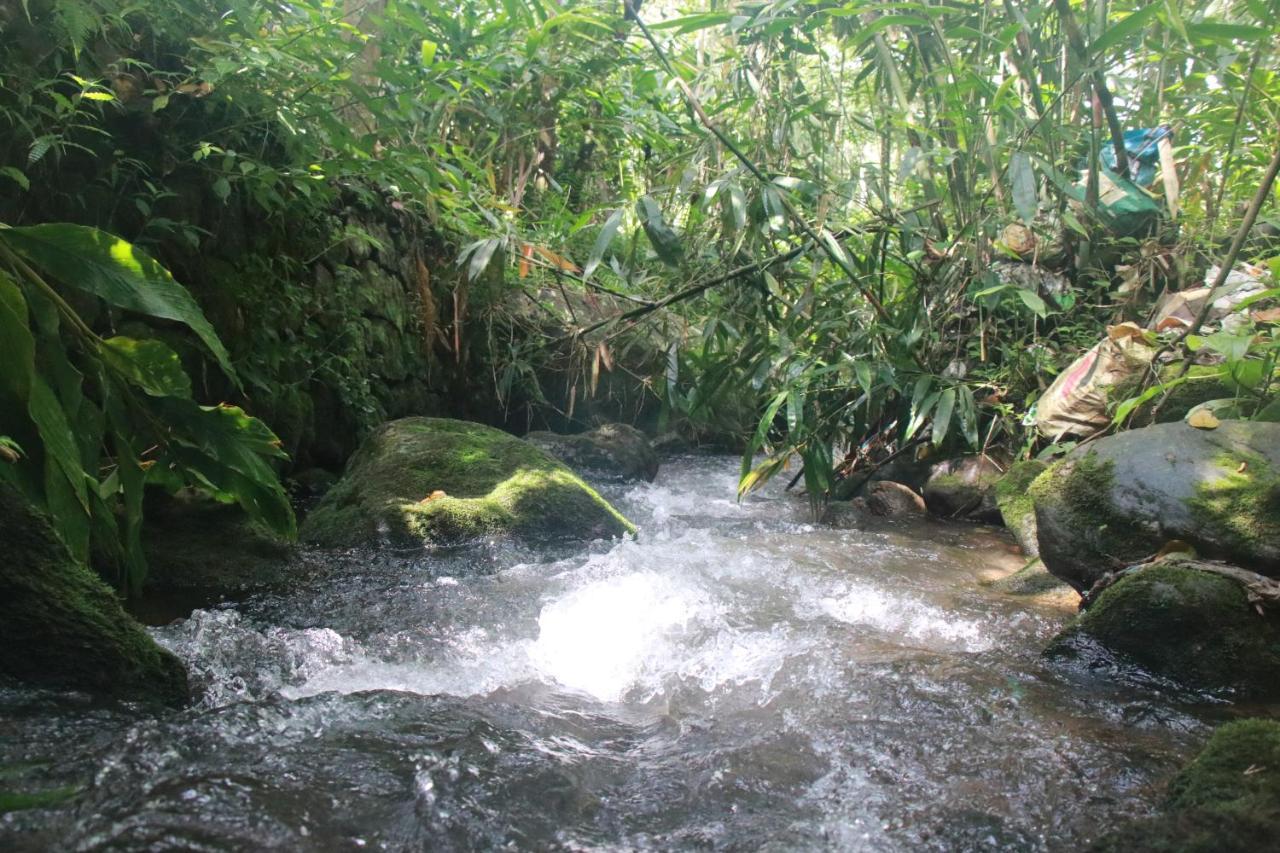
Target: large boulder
{"x":1118,"y":500}
{"x":964,"y":487}
{"x":422,"y":481}
{"x":61,"y":626}
{"x":1227,"y":800}
{"x":610,"y":452}
{"x":1194,"y":626}
{"x":1016,"y":509}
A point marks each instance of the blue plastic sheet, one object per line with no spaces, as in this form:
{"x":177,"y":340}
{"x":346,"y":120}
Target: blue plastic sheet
{"x":1140,"y":145}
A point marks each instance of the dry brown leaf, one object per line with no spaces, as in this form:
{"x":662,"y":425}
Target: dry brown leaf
{"x":1203,"y":419}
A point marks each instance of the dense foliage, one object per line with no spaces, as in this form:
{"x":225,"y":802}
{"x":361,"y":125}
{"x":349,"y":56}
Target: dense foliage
{"x":801,"y":202}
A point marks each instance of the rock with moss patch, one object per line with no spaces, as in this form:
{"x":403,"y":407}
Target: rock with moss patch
{"x":1227,"y":800}
{"x":61,"y":626}
{"x":1193,"y":626}
{"x":420,"y":481}
{"x":608,"y":452}
{"x":964,"y":488}
{"x":1016,"y":509}
{"x":1118,"y":500}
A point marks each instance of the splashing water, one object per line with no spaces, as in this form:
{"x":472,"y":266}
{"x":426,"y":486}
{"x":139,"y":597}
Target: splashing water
{"x":735,"y":677}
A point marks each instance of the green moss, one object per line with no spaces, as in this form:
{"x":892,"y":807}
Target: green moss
{"x":1226,"y":799}
{"x":443,"y":481}
{"x":1031,"y":579}
{"x":60,"y":625}
{"x":1193,"y":626}
{"x":1243,"y":504}
{"x":16,"y":801}
{"x":1013,"y":497}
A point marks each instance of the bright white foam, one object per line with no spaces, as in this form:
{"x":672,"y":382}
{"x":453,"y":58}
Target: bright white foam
{"x":604,"y":637}
{"x":860,"y":604}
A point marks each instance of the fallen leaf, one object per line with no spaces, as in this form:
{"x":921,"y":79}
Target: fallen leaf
{"x":1267,"y":315}
{"x":1203,"y":419}
{"x":434,"y":496}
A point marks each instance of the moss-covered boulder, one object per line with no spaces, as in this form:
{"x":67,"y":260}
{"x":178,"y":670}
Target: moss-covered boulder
{"x":1016,"y":509}
{"x":964,"y":488}
{"x":422,"y":481}
{"x":1193,"y":626}
{"x":1118,"y":500}
{"x":61,"y":626}
{"x":609,"y":452}
{"x":1227,"y":800}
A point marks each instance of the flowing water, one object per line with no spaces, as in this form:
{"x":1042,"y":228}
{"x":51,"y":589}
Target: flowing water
{"x":734,"y":678}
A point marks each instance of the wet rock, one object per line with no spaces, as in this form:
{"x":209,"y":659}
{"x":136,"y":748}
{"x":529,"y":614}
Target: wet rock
{"x":1175,"y":620}
{"x":1227,"y":800}
{"x":1117,"y":501}
{"x":893,"y":500}
{"x":209,"y":550}
{"x":612,"y":451}
{"x":1033,"y":579}
{"x":420,"y":481}
{"x":1016,"y":508}
{"x":964,"y":488}
{"x":61,"y":626}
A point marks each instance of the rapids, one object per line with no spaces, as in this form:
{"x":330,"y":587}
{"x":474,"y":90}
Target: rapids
{"x":734,"y":678}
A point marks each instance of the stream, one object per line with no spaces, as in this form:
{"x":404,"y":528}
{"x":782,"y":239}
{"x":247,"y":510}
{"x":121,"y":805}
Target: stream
{"x":735,"y":678}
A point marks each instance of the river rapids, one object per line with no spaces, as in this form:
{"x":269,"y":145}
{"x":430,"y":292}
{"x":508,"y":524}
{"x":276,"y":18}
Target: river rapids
{"x":734,"y":678}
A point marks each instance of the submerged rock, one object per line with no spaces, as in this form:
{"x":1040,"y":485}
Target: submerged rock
{"x":964,"y":488}
{"x":1016,"y":509}
{"x":1227,"y":800}
{"x":440,"y":481}
{"x":1195,"y":627}
{"x":61,"y":626}
{"x":1118,"y":500}
{"x":612,"y":451}
{"x":893,"y":500}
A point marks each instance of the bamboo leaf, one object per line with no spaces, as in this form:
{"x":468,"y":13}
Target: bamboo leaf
{"x":1120,"y":31}
{"x":942,"y":415}
{"x":1022,"y":177}
{"x":603,"y":241}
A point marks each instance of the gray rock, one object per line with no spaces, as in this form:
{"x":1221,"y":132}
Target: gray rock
{"x":1117,"y":501}
{"x":964,"y":488}
{"x":893,"y":500}
{"x":611,"y":452}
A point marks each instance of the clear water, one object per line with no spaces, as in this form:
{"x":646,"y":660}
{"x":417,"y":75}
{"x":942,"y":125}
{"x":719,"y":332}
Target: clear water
{"x":735,"y":678}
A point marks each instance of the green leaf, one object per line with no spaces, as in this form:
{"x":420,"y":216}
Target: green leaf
{"x":480,"y":257}
{"x":222,"y":188}
{"x":1033,"y":301}
{"x":1120,"y":31}
{"x":1217,"y":31}
{"x":17,"y":346}
{"x":942,"y":415}
{"x":59,"y":441}
{"x":428,"y":51}
{"x":603,"y":240}
{"x":1023,"y":180}
{"x":16,"y":175}
{"x":117,"y":272}
{"x":665,"y":241}
{"x":149,"y":364}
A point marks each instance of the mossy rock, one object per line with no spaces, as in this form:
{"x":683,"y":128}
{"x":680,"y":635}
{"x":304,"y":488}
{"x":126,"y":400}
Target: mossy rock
{"x":1118,"y":500}
{"x":964,"y":488}
{"x":1016,"y":508}
{"x":420,"y":481}
{"x":1031,"y":580}
{"x":1227,"y":800}
{"x":1193,"y":626}
{"x":195,"y":544}
{"x":61,"y":626}
{"x":611,"y":452}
